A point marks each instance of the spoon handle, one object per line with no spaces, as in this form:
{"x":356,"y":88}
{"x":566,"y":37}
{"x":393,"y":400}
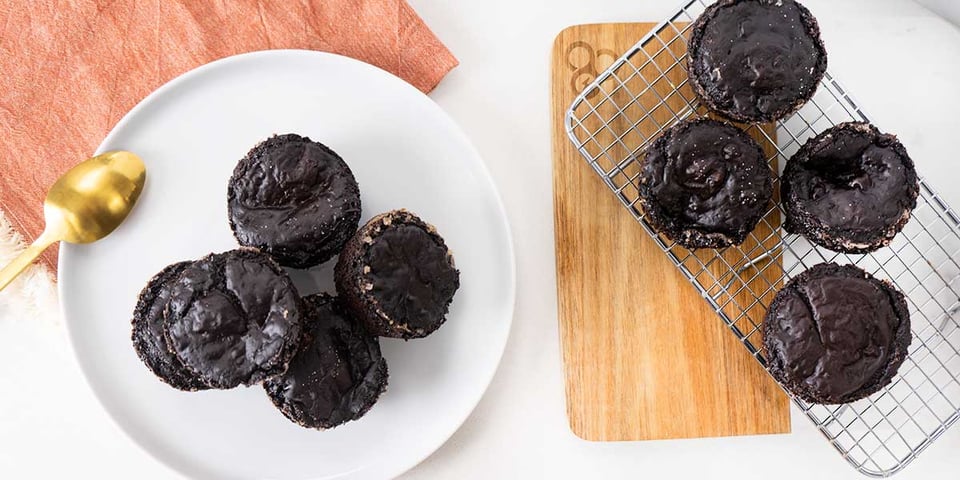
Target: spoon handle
{"x":25,"y":259}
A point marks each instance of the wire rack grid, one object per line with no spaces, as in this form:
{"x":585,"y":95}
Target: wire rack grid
{"x":644,"y":92}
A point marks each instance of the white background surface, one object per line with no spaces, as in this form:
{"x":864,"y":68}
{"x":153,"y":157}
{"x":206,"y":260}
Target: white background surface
{"x":900,"y":61}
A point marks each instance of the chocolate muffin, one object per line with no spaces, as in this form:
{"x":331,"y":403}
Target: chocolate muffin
{"x":294,"y":199}
{"x":337,"y":375}
{"x":755,"y":60}
{"x":147,"y":334}
{"x":397,"y":276}
{"x":233,"y":318}
{"x":835,"y":334}
{"x":704,"y":184}
{"x":850,"y":189}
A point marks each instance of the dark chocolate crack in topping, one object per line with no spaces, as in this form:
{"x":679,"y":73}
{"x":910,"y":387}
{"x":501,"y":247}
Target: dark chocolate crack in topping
{"x":850,"y":188}
{"x":836,"y":334}
{"x":756,"y":60}
{"x":705,"y":184}
{"x":234,"y":318}
{"x":147,"y":336}
{"x":338,"y":374}
{"x":295,"y":199}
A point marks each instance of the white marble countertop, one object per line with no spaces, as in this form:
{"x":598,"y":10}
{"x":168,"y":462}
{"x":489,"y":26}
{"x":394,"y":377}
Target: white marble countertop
{"x":900,"y":61}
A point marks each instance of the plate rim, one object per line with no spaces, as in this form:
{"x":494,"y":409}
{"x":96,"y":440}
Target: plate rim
{"x":455,"y":129}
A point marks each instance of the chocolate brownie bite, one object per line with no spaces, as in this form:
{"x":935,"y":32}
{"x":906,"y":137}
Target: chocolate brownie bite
{"x":755,"y":60}
{"x":338,"y":374}
{"x":294,"y":199}
{"x":147,"y":334}
{"x":397,"y":276}
{"x":850,"y":189}
{"x":233,"y":318}
{"x":835,"y":334}
{"x":704,"y":184}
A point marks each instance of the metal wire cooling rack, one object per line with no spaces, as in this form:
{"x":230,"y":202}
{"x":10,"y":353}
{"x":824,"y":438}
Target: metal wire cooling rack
{"x":644,"y":92}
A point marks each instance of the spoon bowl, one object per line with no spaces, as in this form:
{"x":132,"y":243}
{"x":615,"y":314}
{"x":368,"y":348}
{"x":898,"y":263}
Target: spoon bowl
{"x":85,"y":204}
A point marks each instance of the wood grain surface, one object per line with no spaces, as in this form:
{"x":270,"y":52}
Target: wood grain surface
{"x":645,"y":356}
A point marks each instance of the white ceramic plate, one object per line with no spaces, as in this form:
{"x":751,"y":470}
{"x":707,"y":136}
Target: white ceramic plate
{"x":404,"y":151}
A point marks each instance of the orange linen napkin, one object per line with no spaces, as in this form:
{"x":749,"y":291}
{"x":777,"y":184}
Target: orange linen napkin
{"x":70,"y":69}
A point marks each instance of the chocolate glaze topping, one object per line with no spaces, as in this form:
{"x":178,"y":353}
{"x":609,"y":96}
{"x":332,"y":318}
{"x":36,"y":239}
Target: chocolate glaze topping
{"x":705,"y":184}
{"x":337,"y":375}
{"x":397,"y":276}
{"x":835,"y":334}
{"x":411,"y":274}
{"x":850,"y":189}
{"x":295,"y":199}
{"x":234,"y":318}
{"x":756,"y":60}
{"x":148,"y":339}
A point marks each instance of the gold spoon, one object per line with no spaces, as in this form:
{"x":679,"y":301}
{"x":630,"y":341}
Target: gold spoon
{"x":86,"y":204}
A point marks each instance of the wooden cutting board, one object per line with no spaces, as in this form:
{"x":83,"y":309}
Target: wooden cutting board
{"x":645,"y":357}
